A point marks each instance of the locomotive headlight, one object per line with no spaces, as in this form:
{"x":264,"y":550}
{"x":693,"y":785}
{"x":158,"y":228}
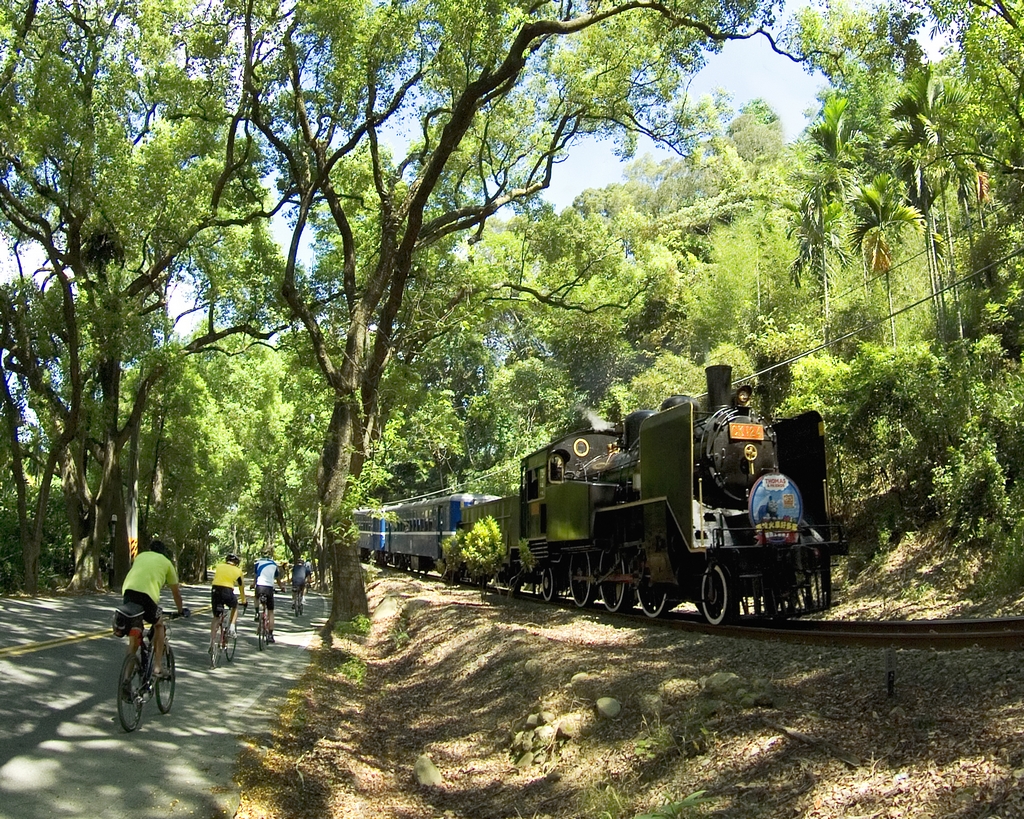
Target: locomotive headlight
{"x":743,"y":395}
{"x":750,"y":452}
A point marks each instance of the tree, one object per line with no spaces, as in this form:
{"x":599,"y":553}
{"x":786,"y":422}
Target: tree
{"x":882,"y":216}
{"x":922,"y":141}
{"x":395,"y":128}
{"x":757,"y":132}
{"x":988,"y":49}
{"x":118,"y":164}
{"x":833,"y":148}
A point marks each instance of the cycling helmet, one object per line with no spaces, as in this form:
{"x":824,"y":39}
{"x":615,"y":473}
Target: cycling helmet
{"x":233,"y":559}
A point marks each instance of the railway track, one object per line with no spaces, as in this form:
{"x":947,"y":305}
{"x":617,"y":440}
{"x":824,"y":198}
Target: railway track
{"x":998,"y":634}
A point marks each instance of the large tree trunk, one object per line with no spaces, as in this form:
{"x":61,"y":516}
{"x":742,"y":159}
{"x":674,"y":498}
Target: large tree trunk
{"x":81,"y":512}
{"x":348,"y":594}
{"x":108,"y":531}
{"x":30,"y":548}
{"x":125,"y":553}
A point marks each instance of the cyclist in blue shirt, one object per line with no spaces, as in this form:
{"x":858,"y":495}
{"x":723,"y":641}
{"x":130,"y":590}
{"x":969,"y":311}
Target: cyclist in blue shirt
{"x":267,"y":573}
{"x":301,"y":570}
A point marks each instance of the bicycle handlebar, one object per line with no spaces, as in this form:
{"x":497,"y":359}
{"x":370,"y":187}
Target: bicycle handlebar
{"x":173,"y":615}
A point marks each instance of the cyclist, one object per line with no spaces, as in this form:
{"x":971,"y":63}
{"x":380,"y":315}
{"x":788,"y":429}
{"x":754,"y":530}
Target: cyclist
{"x":301,"y":570}
{"x":267,"y":573}
{"x":151,"y":571}
{"x":226,"y":576}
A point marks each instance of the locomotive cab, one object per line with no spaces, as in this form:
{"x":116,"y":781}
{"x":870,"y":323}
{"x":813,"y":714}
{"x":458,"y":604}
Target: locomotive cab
{"x":561,"y":486}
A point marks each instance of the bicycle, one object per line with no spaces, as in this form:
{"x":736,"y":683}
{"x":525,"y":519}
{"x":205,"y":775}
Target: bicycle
{"x":298,"y":595}
{"x":135,"y":683}
{"x":262,"y":624}
{"x":224,"y":638}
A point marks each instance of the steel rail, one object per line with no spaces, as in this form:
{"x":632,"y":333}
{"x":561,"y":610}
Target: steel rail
{"x":995,"y":634}
{"x":998,"y":634}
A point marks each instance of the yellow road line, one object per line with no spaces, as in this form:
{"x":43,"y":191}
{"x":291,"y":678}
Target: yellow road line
{"x":28,"y":648}
{"x":14,"y":651}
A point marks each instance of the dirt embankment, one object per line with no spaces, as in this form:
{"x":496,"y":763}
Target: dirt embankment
{"x":502,"y":697}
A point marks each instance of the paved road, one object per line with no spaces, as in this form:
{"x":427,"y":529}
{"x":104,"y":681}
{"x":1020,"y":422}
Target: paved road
{"x":63,"y":752}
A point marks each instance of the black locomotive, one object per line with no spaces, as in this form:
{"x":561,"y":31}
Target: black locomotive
{"x":715,"y":505}
{"x":712,"y":505}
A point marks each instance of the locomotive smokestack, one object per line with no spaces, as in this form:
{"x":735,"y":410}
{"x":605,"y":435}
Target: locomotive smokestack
{"x":719,"y":386}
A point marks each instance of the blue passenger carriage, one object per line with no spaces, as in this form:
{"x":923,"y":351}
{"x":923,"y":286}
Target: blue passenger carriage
{"x":409,"y":535}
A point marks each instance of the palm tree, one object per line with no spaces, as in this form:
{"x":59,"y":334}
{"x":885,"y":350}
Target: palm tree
{"x":821,"y":238}
{"x":882,"y":216}
{"x":834,"y":147}
{"x":922,"y":118}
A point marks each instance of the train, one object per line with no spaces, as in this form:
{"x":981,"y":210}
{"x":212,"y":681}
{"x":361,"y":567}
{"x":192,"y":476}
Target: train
{"x":706,"y":503}
{"x":410,"y":535}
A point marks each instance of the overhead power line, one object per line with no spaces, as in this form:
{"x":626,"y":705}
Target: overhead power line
{"x":874,"y":323}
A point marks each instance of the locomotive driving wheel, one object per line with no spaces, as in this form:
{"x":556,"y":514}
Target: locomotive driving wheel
{"x":581,"y":582}
{"x":718,"y":600}
{"x":548,"y":590}
{"x":618,"y":594}
{"x":653,"y":600}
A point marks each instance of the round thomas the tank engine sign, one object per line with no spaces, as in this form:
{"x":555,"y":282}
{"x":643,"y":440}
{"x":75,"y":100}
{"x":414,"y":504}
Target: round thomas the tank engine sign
{"x":775,"y":509}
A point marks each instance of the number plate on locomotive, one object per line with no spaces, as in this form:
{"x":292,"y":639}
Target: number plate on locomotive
{"x":746,"y":432}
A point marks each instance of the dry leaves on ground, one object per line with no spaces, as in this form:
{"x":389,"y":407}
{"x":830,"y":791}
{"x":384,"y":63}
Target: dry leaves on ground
{"x":804,"y":731}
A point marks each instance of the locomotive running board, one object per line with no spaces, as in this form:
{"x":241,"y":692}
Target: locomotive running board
{"x":647,"y":501}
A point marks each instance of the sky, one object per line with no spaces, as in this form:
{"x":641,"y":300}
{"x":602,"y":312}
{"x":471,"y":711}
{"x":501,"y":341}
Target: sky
{"x":746,"y":69}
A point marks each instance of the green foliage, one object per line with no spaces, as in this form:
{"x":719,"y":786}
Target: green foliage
{"x":606,"y":802}
{"x":479,"y":550}
{"x":358,"y":626}
{"x":527,"y":559}
{"x":353,"y":669}
{"x":677,"y":810}
{"x":757,"y":133}
{"x":970,"y":491}
{"x":881,"y":217}
{"x":56,"y":561}
{"x":884,"y":412}
{"x":484,"y":549}
{"x":504,"y":341}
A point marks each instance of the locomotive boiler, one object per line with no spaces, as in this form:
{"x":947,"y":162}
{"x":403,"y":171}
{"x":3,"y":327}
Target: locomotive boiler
{"x":710,"y":504}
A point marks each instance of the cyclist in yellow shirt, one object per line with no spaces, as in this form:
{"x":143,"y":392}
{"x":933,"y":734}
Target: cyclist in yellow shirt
{"x":226,"y":576}
{"x":151,"y":571}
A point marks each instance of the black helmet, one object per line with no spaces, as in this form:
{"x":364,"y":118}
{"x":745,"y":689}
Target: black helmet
{"x":159,"y":547}
{"x":233,"y":559}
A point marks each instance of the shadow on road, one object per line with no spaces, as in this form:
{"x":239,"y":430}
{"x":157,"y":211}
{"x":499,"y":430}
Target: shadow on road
{"x":62,"y":750}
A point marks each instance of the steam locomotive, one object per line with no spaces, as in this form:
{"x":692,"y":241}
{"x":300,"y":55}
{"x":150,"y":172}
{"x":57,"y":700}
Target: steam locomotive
{"x":711,"y":505}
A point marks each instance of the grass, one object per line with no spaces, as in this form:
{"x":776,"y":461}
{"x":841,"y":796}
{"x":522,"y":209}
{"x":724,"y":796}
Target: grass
{"x":356,"y":627}
{"x":353,"y":669}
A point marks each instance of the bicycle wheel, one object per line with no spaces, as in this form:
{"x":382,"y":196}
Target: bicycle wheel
{"x":217,"y":646}
{"x":230,"y":638}
{"x":261,"y":630}
{"x":165,"y":688}
{"x":129,"y":693}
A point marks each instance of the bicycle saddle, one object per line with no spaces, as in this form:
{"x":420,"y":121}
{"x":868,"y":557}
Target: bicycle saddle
{"x":130,"y":610}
